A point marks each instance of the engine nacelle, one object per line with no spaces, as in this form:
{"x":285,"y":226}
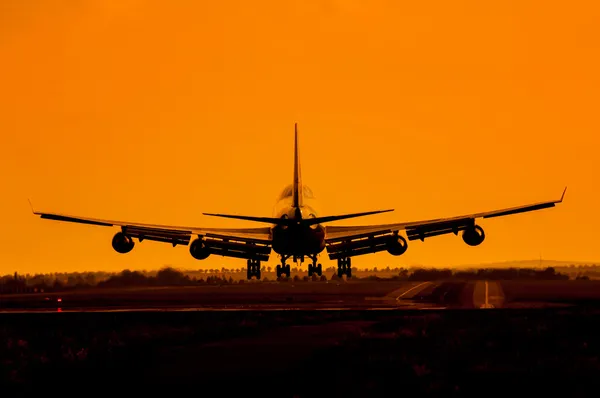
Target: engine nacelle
{"x":198,"y":250}
{"x":397,"y":245}
{"x":122,"y":243}
{"x":473,"y":236}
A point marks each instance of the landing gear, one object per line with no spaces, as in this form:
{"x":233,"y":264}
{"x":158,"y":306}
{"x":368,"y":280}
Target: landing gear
{"x":344,"y":267}
{"x":314,"y":268}
{"x":283,"y":268}
{"x":253,"y":269}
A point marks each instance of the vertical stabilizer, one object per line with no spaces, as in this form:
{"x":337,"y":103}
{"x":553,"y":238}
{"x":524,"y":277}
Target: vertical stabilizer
{"x":297,"y":185}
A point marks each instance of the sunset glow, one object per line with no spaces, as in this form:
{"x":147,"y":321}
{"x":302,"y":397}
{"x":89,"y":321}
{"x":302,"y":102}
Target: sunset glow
{"x":156,"y":112}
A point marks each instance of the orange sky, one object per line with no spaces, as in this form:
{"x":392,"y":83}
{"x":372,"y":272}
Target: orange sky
{"x":156,"y":112}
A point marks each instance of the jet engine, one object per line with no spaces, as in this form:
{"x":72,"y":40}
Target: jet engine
{"x":122,"y":243}
{"x":473,"y":236}
{"x":397,"y":245}
{"x":198,"y":250}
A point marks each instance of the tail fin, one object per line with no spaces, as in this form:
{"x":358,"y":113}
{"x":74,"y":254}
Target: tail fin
{"x":297,"y":185}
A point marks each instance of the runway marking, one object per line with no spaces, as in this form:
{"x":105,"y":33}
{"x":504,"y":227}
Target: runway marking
{"x":487,"y":297}
{"x":411,"y":289}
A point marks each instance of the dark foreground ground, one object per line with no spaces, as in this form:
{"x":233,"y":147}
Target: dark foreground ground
{"x":304,"y":353}
{"x":386,"y":339}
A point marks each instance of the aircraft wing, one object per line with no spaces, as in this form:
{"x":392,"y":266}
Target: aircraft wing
{"x":181,"y":235}
{"x":427,"y":228}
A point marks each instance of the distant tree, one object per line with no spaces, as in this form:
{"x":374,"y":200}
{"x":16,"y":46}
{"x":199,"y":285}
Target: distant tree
{"x":171,"y":276}
{"x":71,"y":280}
{"x":550,"y":271}
{"x":90,"y":279}
{"x":269,"y":269}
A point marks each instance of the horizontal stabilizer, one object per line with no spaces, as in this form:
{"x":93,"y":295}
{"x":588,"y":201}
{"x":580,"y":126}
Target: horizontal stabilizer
{"x":286,"y":221}
{"x":269,"y":220}
{"x":319,"y":220}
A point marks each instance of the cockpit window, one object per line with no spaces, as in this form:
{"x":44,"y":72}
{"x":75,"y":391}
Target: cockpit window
{"x":287,"y":192}
{"x":307,"y":192}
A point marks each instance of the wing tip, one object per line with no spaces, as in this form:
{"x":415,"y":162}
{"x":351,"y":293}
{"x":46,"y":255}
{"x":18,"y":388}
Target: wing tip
{"x":382,"y":211}
{"x":563,"y":195}
{"x":31,"y":206}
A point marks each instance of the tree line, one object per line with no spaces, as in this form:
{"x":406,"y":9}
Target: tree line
{"x":170,"y":276}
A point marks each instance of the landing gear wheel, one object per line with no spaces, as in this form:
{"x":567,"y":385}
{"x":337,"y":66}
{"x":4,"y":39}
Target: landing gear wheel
{"x":344,"y":267}
{"x":253,"y":269}
{"x":313,"y":268}
{"x":283,"y":269}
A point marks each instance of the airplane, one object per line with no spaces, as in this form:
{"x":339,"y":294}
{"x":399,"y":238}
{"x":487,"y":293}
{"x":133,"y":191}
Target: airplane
{"x":297,"y":231}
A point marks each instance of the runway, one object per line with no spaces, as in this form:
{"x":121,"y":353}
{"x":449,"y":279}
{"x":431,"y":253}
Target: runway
{"x":351,"y":296}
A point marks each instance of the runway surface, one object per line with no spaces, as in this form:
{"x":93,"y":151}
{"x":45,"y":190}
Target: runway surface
{"x":356,"y":295}
{"x":324,"y":296}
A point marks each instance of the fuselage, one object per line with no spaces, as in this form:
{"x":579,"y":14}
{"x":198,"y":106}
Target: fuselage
{"x":297,"y":239}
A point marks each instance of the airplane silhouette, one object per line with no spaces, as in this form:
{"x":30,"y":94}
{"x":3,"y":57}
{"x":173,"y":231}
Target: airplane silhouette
{"x":297,"y":231}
